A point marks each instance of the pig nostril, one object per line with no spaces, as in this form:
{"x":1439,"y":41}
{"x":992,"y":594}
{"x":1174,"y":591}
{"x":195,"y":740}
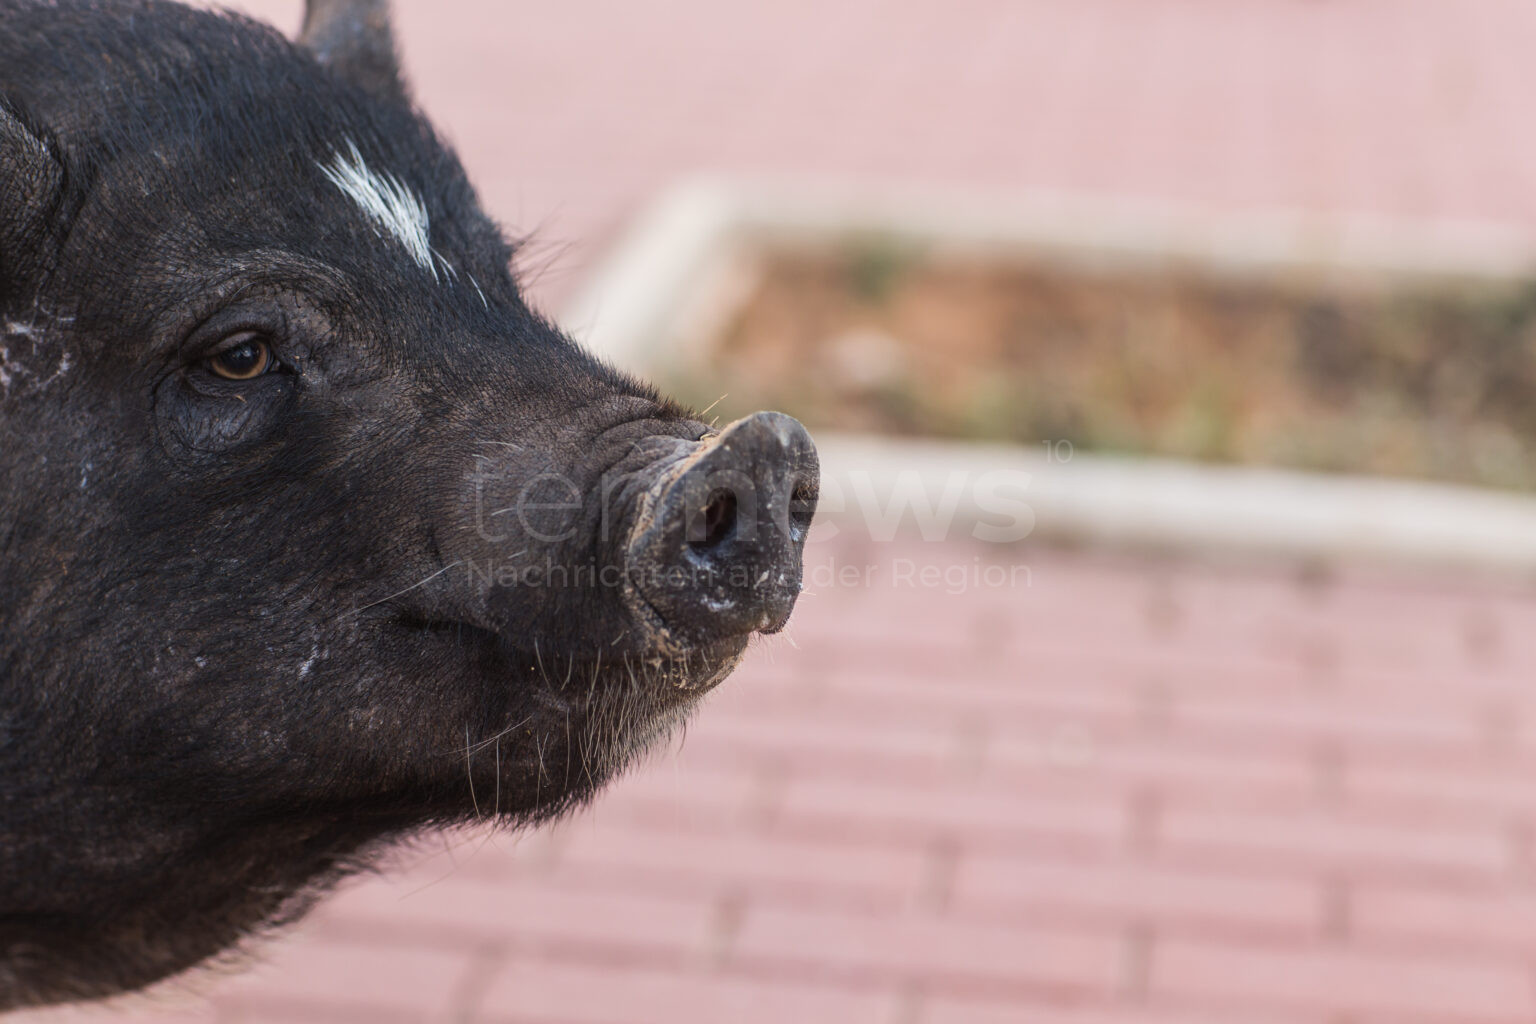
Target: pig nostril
{"x":715,"y":523}
{"x":802,"y":503}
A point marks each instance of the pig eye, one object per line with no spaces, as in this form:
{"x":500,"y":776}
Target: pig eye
{"x":243,"y":356}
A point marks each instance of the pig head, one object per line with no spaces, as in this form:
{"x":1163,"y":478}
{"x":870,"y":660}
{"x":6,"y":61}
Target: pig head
{"x":312,"y":533}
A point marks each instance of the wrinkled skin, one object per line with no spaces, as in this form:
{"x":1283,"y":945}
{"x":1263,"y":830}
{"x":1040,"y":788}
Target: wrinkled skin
{"x":251,"y":631}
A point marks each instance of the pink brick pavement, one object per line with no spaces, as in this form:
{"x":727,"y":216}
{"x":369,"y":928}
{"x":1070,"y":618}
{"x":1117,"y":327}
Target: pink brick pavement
{"x":1130,"y":792}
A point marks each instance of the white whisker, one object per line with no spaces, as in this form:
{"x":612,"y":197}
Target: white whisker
{"x":407,"y":590}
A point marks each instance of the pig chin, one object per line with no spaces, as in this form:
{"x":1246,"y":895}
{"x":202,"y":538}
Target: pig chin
{"x":571,"y":723}
{"x":621,"y":710}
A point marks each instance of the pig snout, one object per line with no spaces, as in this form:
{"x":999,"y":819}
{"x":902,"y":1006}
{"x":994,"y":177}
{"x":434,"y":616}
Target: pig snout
{"x":716,"y":550}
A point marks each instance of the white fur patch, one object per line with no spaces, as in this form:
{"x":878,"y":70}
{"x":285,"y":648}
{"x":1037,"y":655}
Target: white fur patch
{"x":384,"y":199}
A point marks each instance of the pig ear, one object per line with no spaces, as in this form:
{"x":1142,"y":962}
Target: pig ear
{"x":31,"y":178}
{"x":353,"y":39}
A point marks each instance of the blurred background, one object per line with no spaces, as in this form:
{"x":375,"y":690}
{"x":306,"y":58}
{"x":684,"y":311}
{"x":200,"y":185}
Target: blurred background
{"x":1055,"y":779}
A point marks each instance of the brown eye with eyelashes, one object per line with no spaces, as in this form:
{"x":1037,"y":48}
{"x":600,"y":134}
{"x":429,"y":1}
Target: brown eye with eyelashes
{"x":244,"y":356}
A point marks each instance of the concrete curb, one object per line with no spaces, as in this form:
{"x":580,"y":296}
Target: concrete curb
{"x":1189,"y":507}
{"x":679,"y":257}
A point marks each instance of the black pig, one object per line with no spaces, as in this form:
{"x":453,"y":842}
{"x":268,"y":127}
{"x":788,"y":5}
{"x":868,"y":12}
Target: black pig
{"x":312,"y":534}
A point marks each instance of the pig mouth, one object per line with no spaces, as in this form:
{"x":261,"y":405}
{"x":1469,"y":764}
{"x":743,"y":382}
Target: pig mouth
{"x":665,"y":674}
{"x":569,"y":720}
{"x":663,"y":682}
